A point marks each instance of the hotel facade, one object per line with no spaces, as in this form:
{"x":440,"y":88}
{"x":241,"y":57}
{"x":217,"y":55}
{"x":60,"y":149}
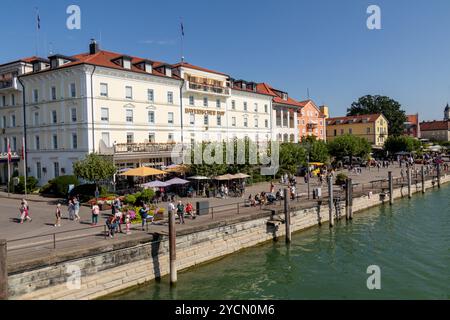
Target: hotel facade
{"x":130,"y":109}
{"x":372,"y":127}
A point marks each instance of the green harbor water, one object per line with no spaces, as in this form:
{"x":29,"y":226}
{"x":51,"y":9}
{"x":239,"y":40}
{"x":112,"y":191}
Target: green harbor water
{"x":409,"y":241}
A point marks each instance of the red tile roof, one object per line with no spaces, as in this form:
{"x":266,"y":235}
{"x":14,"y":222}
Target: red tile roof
{"x":352,"y":119}
{"x":280,"y":100}
{"x":105,"y":59}
{"x":26,"y":60}
{"x":191,"y":66}
{"x":435,"y":125}
{"x":260,"y":89}
{"x":414,"y":119}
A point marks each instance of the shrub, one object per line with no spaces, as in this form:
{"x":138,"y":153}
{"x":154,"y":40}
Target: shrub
{"x":145,"y":196}
{"x":62,"y":184}
{"x":59,"y":186}
{"x":341,"y":179}
{"x":87,"y":192}
{"x":130,"y":199}
{"x":20,"y":187}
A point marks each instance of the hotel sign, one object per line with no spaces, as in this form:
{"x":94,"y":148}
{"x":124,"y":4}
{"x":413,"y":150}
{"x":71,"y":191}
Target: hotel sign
{"x":202,"y":111}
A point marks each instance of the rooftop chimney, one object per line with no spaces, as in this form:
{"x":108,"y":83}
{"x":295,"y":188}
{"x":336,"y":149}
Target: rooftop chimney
{"x":93,"y":47}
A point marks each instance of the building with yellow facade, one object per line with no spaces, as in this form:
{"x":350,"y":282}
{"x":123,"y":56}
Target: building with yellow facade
{"x":373,"y":127}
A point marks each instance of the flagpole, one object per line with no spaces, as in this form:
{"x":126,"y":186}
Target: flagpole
{"x":182,"y":40}
{"x":37,"y":30}
{"x":24,"y":166}
{"x":9,"y":168}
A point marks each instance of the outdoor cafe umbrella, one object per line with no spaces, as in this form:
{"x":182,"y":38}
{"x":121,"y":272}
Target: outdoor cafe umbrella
{"x":225,"y":177}
{"x":176,"y":169}
{"x":198,"y":178}
{"x":176,"y":181}
{"x":241,"y":176}
{"x":155,"y":184}
{"x":143,"y":172}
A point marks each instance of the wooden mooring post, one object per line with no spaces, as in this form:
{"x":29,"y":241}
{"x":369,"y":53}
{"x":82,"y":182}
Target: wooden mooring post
{"x":330,"y":200}
{"x":349,"y":199}
{"x":391,"y":188}
{"x":408,"y":173}
{"x":172,"y":248}
{"x":3,"y":271}
{"x":423,"y":178}
{"x":438,"y":174}
{"x":287,"y":216}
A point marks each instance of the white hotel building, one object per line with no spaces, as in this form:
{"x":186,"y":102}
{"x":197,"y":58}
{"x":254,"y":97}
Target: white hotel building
{"x":129,"y":108}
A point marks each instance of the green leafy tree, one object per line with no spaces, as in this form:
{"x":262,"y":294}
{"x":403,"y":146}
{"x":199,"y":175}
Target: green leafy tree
{"x":401,"y":144}
{"x":349,"y":146}
{"x":94,"y":168}
{"x":292,"y":156}
{"x":318,"y":150}
{"x":390,"y":108}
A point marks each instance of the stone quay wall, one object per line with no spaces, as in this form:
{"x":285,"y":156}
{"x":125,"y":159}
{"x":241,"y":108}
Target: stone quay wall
{"x":120,"y":268}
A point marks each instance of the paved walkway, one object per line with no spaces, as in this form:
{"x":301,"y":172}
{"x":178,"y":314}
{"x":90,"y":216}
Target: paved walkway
{"x":75,"y":236}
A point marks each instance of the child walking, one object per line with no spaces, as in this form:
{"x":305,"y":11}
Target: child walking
{"x":95,"y":213}
{"x":58,"y":215}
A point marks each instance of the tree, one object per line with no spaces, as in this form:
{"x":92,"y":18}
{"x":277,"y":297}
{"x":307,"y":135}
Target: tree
{"x":390,"y":108}
{"x":94,"y":168}
{"x":349,"y":146}
{"x":292,"y":156}
{"x":401,"y":144}
{"x":318,"y":150}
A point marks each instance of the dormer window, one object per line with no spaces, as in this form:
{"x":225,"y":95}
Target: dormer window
{"x":127,"y":64}
{"x":39,"y":64}
{"x":285,"y":96}
{"x":58,"y":60}
{"x":145,"y":65}
{"x":123,"y":61}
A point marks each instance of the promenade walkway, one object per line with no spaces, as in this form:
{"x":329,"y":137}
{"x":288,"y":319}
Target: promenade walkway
{"x":47,"y":242}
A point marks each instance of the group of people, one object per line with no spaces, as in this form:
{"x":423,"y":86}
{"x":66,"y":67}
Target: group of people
{"x":73,"y":210}
{"x":181,"y":210}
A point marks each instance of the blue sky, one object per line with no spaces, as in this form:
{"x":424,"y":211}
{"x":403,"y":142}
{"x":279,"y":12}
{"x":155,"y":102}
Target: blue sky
{"x":323,"y":45}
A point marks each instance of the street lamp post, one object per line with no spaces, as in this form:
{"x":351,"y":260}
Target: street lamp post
{"x":309,"y":175}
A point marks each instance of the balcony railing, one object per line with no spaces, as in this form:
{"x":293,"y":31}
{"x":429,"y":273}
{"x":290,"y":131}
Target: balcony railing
{"x":6,"y":84}
{"x":208,"y":88}
{"x":143,"y":147}
{"x":311,"y":125}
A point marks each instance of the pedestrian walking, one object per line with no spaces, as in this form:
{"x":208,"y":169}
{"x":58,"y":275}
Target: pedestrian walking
{"x":111,"y":223}
{"x":143,"y":212}
{"x":58,"y":215}
{"x":24,"y":212}
{"x":71,"y":210}
{"x":180,"y":212}
{"x":76,"y":209}
{"x":119,"y":220}
{"x":171,"y":208}
{"x":95,"y":213}
{"x":128,"y":224}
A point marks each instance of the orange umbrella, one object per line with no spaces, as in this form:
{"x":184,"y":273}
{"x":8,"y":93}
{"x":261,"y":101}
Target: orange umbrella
{"x":143,"y":172}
